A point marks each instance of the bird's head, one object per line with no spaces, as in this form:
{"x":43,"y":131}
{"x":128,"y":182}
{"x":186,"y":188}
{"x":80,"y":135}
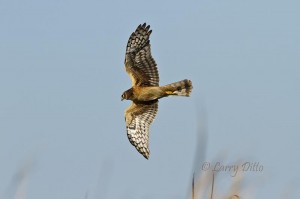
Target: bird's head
{"x":127,"y":95}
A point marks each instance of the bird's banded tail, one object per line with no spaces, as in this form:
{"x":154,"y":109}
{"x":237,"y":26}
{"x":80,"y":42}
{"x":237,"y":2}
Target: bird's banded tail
{"x":181,"y":88}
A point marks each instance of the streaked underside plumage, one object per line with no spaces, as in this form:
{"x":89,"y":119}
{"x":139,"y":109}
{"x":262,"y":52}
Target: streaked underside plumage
{"x":138,"y":119}
{"x":139,"y":63}
{"x":142,"y":70}
{"x":145,"y":91}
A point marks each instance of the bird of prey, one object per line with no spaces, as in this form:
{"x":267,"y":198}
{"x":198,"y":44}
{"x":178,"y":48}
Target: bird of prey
{"x":145,"y":90}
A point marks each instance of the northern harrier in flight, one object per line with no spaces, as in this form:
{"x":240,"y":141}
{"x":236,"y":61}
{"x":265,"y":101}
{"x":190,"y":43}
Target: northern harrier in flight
{"x":145,"y":90}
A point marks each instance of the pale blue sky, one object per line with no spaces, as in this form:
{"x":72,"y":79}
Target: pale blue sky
{"x":62,"y":75}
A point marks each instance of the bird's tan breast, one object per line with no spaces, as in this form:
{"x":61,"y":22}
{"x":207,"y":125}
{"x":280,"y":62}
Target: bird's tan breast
{"x":147,"y":93}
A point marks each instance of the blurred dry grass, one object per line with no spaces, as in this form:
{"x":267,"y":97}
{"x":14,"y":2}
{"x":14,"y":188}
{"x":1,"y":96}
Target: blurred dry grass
{"x":203,"y":183}
{"x":18,"y":187}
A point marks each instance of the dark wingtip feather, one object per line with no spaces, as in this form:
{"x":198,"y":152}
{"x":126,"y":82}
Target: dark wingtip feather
{"x":146,"y":155}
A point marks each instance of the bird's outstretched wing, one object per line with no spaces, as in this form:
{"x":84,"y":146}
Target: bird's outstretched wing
{"x":139,"y":63}
{"x":138,"y":119}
